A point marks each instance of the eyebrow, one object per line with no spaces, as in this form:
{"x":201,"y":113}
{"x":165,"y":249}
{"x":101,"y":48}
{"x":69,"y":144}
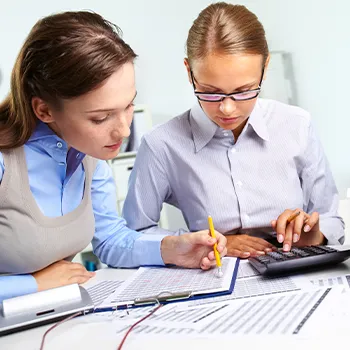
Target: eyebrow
{"x":248,"y":85}
{"x":109,"y":109}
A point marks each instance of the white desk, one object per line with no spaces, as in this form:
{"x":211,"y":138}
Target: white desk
{"x":82,"y":335}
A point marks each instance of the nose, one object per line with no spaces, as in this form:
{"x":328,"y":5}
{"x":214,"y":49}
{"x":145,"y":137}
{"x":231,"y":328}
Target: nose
{"x":121,"y":129}
{"x":227,"y":106}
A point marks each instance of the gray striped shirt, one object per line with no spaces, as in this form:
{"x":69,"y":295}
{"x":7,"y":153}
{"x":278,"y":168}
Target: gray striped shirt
{"x":277,"y":163}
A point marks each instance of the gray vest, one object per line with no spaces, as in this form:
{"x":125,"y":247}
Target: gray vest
{"x":30,"y":241}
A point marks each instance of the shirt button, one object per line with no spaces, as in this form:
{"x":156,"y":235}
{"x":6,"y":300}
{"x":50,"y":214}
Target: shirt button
{"x":78,"y":155}
{"x":59,"y":144}
{"x":225,"y":133}
{"x":239,"y":183}
{"x":233,"y":150}
{"x":62,"y":163}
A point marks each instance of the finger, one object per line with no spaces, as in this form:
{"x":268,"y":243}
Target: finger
{"x":205,"y":264}
{"x":202,"y":238}
{"x":78,"y":279}
{"x":221,"y":241}
{"x":298,"y":225}
{"x":287,"y":243}
{"x":75,"y":266}
{"x":312,"y":221}
{"x":81,"y":270}
{"x":238,"y":254}
{"x":259,"y":244}
{"x":281,"y":224}
{"x":251,"y":250}
{"x":273,"y":224}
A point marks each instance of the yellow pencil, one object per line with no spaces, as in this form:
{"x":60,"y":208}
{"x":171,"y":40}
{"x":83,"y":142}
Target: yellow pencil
{"x":292,"y":217}
{"x":216,"y":253}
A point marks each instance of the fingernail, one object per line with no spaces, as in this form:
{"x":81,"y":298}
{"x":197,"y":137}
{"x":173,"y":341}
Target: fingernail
{"x":260,"y":252}
{"x":268,"y":250}
{"x":211,"y":240}
{"x":295,"y":238}
{"x":280,"y":238}
{"x":286,"y":247}
{"x":307,"y":228}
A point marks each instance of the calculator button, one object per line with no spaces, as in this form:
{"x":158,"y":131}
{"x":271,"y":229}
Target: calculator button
{"x":315,"y":250}
{"x":300,"y":252}
{"x":327,"y":249}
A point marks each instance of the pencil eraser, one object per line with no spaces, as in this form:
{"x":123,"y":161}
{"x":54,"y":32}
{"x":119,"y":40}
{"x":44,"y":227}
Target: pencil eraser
{"x":219,"y":273}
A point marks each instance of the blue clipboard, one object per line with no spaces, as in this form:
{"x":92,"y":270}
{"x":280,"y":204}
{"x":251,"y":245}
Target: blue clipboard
{"x":176,"y":297}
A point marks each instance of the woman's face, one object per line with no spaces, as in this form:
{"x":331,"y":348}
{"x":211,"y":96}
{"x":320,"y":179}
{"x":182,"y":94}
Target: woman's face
{"x":96,"y":123}
{"x":227,"y":74}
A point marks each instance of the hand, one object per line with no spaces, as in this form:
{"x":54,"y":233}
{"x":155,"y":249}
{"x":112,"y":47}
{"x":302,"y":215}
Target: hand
{"x":304,"y":230}
{"x":193,"y":250}
{"x":60,"y":274}
{"x":244,"y":246}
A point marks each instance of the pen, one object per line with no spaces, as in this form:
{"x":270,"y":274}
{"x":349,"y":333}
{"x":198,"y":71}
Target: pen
{"x":216,"y":253}
{"x":292,"y":217}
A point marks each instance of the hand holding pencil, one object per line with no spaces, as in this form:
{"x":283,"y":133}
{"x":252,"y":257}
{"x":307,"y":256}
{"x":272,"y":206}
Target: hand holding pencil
{"x":295,"y":227}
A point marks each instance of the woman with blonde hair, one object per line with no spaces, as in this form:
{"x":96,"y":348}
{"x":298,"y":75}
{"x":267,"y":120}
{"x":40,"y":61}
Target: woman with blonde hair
{"x":248,"y":162}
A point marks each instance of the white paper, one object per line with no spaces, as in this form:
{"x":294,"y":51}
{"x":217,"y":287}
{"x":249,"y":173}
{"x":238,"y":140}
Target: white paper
{"x":285,"y":314}
{"x":102,"y":290}
{"x":341,"y":281}
{"x":251,"y":287}
{"x":246,"y":270}
{"x":150,"y":282}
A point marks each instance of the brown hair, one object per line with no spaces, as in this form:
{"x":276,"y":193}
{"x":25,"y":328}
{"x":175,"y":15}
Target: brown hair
{"x":64,"y":56}
{"x":226,"y":29}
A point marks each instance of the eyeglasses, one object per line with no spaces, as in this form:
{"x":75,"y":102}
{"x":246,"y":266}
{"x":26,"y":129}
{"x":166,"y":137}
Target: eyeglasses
{"x":235,"y":96}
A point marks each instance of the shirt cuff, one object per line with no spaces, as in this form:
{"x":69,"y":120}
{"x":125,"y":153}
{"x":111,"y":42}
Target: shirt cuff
{"x":333,"y":230}
{"x":17,"y":285}
{"x":147,"y":247}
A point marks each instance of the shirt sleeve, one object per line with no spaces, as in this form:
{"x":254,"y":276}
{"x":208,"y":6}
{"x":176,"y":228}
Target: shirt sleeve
{"x":114,"y":243}
{"x":148,"y":189}
{"x":17,"y":285}
{"x":320,"y":191}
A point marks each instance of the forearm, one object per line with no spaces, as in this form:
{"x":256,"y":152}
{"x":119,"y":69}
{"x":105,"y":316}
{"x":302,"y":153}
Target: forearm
{"x":128,"y":248}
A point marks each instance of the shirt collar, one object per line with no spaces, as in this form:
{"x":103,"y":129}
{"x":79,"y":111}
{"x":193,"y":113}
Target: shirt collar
{"x":49,"y":142}
{"x":204,"y":129}
{"x":257,"y":120}
{"x":42,"y":131}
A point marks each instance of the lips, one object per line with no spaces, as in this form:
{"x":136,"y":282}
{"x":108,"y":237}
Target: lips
{"x":115,"y":146}
{"x":229,"y":120}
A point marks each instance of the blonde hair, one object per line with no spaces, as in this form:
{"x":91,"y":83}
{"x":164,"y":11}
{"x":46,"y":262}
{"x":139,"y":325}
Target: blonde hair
{"x":223,"y":28}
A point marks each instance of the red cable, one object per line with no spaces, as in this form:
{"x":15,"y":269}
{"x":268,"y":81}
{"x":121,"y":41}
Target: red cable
{"x":135,"y":324}
{"x":57,"y":324}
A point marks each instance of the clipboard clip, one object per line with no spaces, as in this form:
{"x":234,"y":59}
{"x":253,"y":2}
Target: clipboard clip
{"x":163,"y":297}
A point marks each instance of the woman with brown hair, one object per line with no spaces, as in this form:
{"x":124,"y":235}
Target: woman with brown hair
{"x":69,"y":108}
{"x":242,"y":159}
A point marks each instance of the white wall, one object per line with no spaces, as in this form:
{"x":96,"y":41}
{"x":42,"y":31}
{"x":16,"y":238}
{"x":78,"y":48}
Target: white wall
{"x":314,"y":31}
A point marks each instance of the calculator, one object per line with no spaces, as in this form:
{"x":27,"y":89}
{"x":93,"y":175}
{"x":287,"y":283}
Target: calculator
{"x":279,"y":262}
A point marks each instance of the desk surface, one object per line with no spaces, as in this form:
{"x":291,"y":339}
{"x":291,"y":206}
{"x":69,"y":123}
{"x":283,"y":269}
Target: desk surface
{"x":91,"y":336}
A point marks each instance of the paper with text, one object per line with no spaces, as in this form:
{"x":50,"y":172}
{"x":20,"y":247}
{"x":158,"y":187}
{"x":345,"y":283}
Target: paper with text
{"x":150,"y":282}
